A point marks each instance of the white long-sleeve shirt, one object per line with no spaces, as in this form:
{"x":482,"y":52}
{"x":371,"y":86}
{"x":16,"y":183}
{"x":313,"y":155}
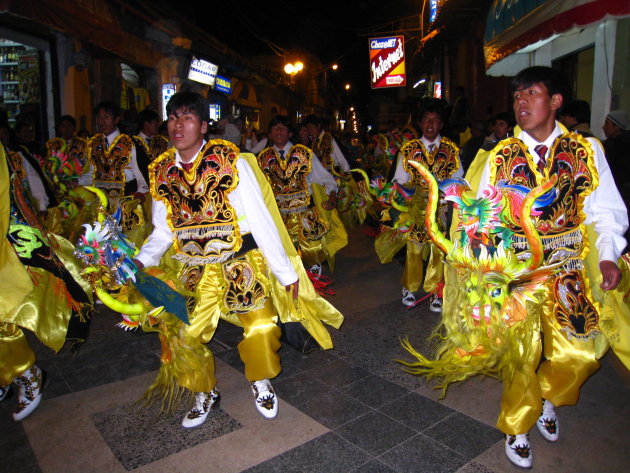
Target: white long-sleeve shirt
{"x":318,"y":175}
{"x":604,"y":207}
{"x":132,"y":171}
{"x":339,"y":159}
{"x":258,"y":147}
{"x":402,"y":177}
{"x":252,"y":217}
{"x":38,"y":191}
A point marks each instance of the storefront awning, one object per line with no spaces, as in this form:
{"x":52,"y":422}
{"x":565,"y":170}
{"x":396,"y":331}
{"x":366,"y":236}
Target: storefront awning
{"x":515,"y":24}
{"x":93,"y":21}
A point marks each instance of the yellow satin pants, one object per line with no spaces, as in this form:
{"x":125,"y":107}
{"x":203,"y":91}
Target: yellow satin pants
{"x":415,"y":271}
{"x":258,"y":350}
{"x":16,"y":356}
{"x":568,"y":363}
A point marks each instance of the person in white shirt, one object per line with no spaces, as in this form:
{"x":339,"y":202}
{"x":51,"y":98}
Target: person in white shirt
{"x":444,"y":163}
{"x":302,"y":168}
{"x":109,"y":148}
{"x":212,"y":210}
{"x":325,"y":146}
{"x":585,"y":196}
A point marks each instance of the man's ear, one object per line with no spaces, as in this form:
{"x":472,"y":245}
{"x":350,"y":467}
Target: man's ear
{"x":204,"y":127}
{"x":556,"y":101}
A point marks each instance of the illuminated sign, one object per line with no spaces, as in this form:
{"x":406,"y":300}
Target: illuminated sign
{"x":223,"y":84}
{"x":433,"y":10}
{"x":202,"y":71}
{"x":437,"y":90}
{"x":387,"y":62}
{"x":167,"y":91}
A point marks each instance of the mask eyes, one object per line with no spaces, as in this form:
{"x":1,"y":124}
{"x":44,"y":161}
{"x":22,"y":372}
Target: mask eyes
{"x":496,"y":292}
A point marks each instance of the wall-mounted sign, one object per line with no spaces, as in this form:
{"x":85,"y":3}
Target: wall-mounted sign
{"x":202,"y":71}
{"x":167,"y":92}
{"x":223,"y":84}
{"x":437,"y":90}
{"x":433,"y":10}
{"x":387,"y":62}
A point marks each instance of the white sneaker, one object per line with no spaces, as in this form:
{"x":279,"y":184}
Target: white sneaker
{"x":204,"y":403}
{"x":316,"y":270}
{"x":547,"y":423}
{"x":436,"y":304}
{"x":408,"y":299}
{"x":518,"y":450}
{"x":30,"y":386}
{"x":266,"y":400}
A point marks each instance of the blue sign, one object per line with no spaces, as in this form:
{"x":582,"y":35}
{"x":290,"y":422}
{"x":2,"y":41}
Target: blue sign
{"x":433,"y":9}
{"x":223,"y":84}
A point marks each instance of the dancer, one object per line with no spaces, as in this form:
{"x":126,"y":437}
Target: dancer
{"x":231,"y":260}
{"x":294,"y":173}
{"x":41,"y":289}
{"x":593,"y":222}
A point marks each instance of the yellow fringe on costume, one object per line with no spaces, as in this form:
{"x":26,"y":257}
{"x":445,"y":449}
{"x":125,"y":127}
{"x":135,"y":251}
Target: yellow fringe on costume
{"x":466,"y":346}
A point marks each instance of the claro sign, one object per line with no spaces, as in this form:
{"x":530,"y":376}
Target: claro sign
{"x":387,"y":62}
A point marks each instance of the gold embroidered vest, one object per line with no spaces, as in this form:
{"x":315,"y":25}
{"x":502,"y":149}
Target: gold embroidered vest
{"x":559,"y":224}
{"x":287,"y":176}
{"x":442,"y":163}
{"x":109,"y":164}
{"x":198,"y":209}
{"x":323,"y":148}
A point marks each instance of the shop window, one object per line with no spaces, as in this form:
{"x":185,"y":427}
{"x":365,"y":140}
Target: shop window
{"x":20,"y":88}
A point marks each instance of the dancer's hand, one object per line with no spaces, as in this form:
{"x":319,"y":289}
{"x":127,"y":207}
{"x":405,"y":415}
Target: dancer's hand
{"x":293,"y":287}
{"x":611,"y":275}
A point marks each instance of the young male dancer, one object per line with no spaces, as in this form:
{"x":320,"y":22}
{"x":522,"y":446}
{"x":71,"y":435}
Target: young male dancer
{"x":207,"y":203}
{"x":586,"y":198}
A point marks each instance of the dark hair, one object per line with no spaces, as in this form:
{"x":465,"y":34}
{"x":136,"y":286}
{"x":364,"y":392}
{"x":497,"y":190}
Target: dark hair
{"x":190,"y":102}
{"x":432,"y":108}
{"x":507,"y":117}
{"x":108,"y":107}
{"x":282,"y":120}
{"x":313,"y":119}
{"x":553,"y":80}
{"x":578,"y":109}
{"x":67,"y":118}
{"x":146,"y":115}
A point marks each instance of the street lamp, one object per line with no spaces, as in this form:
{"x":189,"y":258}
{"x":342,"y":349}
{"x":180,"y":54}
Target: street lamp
{"x":293,"y":68}
{"x":347,"y":86}
{"x":334,"y":67}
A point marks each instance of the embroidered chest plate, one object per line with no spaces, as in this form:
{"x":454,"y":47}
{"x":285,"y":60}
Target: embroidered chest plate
{"x":323,"y":148}
{"x":199,"y":211}
{"x":571,"y":159}
{"x":287,"y":176}
{"x":442,"y":163}
{"x":110,"y":163}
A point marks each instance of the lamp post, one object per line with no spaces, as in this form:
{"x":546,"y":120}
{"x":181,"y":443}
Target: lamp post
{"x":292,"y":68}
